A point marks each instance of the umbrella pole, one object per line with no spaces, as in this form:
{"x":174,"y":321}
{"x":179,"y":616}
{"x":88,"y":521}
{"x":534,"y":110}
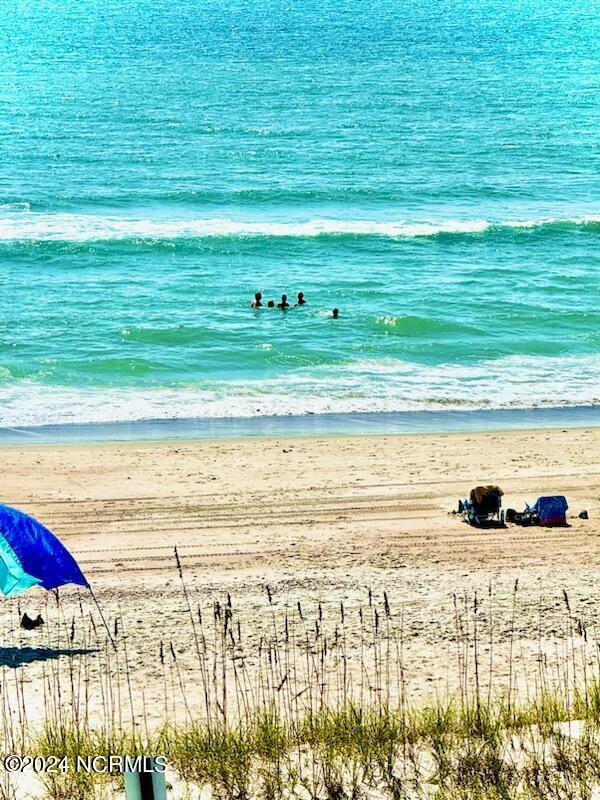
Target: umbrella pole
{"x":95,"y":599}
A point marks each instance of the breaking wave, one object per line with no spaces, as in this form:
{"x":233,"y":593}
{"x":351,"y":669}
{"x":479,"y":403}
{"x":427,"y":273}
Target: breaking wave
{"x":27,"y":226}
{"x":366,"y":386}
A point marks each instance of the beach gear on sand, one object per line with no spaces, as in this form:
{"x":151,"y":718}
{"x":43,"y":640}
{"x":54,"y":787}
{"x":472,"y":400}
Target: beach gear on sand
{"x":523,"y":518}
{"x":29,"y":624}
{"x":550,"y":510}
{"x":31,"y":555}
{"x":484,"y":507}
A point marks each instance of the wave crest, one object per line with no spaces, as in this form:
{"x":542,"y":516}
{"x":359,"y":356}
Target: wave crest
{"x":39,"y":227}
{"x":365,"y":386}
{"x":420,"y":326}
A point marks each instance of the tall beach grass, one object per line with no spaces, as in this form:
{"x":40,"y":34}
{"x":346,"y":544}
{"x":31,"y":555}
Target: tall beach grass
{"x":318,"y":705}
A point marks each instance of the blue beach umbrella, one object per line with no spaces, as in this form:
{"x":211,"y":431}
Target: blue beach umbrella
{"x":31,"y":555}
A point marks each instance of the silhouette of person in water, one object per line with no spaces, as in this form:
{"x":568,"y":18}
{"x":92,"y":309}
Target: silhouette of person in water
{"x":336,"y":313}
{"x":271,"y":304}
{"x":301,"y":301}
{"x":284,"y":303}
{"x":256,"y":302}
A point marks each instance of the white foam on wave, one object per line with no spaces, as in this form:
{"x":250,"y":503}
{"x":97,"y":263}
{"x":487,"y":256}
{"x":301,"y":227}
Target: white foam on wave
{"x":381,"y":385}
{"x":16,"y":206}
{"x":36,"y":226}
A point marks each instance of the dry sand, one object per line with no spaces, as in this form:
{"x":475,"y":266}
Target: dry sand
{"x":317,"y":519}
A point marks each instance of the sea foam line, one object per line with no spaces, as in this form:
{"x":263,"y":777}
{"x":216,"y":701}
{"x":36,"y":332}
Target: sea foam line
{"x":38,"y":227}
{"x":366,"y":386}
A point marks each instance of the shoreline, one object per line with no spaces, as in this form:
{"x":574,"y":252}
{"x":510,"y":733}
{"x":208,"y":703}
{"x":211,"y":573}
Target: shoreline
{"x":307,"y":425}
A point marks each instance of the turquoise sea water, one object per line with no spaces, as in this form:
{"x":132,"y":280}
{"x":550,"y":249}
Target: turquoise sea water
{"x":431,"y":168}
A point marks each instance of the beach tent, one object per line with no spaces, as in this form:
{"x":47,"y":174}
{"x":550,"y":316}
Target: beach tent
{"x":31,"y":555}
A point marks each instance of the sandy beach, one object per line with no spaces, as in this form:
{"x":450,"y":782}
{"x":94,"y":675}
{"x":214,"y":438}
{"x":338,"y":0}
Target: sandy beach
{"x":317,"y":520}
{"x":286,"y":283}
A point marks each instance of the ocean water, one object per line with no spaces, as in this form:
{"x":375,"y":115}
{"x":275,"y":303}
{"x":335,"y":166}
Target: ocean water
{"x":431,"y":168}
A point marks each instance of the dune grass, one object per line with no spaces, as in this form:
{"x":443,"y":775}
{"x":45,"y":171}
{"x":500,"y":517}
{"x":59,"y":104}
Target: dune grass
{"x":347,"y":752}
{"x":318,"y":707}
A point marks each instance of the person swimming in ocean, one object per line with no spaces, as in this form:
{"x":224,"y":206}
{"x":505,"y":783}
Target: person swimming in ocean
{"x":256,"y":302}
{"x":284,"y":303}
{"x":300,"y":301}
{"x":271,"y":304}
{"x":336,"y":313}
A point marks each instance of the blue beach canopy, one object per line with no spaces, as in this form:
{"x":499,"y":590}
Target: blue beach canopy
{"x":31,"y":555}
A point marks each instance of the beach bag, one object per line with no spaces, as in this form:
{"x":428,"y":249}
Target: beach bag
{"x":551,"y":510}
{"x":524,"y":518}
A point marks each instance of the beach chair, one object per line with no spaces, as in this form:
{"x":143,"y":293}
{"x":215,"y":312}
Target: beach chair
{"x":483,"y":509}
